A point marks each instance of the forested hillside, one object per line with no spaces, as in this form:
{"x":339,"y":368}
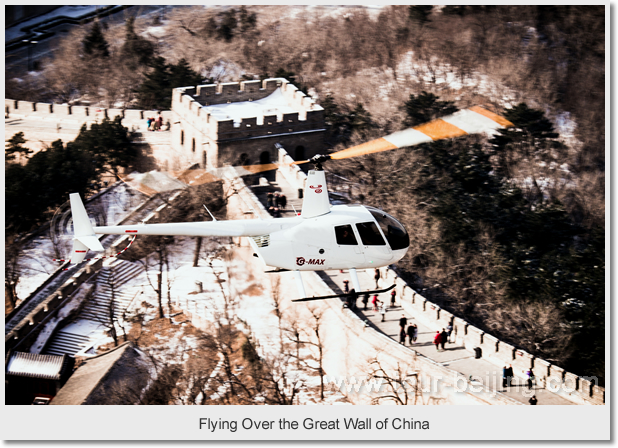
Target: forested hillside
{"x":508,"y":231}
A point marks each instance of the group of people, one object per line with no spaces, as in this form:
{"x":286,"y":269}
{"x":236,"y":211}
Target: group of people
{"x":507,"y":379}
{"x":508,"y":375}
{"x":442,"y":337}
{"x":276,"y":203}
{"x":155,"y":123}
{"x":411,"y":331}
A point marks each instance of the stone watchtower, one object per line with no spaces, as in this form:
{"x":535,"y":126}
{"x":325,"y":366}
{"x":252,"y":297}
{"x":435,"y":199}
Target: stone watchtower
{"x":239,"y":123}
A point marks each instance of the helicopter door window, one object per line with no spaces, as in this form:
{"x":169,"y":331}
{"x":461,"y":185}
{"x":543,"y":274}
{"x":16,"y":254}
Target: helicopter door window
{"x":345,"y":236}
{"x":370,"y":235}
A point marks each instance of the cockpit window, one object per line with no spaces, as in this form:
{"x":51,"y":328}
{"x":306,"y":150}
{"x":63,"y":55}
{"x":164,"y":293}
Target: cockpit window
{"x":393,"y":230}
{"x":370,"y":235}
{"x":345,"y":235}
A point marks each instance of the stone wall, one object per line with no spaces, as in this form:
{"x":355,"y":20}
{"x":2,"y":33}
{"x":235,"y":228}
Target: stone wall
{"x":212,"y":143}
{"x":77,"y":113}
{"x":581,"y":390}
{"x":26,"y":332}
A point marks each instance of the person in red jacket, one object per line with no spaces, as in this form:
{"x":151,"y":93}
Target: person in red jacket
{"x":437,"y":339}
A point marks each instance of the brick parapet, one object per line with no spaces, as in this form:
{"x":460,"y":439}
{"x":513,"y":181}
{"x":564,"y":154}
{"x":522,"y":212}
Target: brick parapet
{"x":578,"y":389}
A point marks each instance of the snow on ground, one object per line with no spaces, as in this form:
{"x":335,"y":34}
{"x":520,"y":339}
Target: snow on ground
{"x":248,"y":297}
{"x":273,"y":104}
{"x":36,"y":261}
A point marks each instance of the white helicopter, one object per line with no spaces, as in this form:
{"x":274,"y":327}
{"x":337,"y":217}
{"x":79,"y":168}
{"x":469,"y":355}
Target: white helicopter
{"x":321,"y":237}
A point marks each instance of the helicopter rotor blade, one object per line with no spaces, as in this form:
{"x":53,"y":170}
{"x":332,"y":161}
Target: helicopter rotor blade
{"x":474,"y":120}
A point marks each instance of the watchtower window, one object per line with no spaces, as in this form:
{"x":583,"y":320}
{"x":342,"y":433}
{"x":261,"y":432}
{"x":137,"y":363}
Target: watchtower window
{"x":265,"y":157}
{"x":345,"y":235}
{"x":299,"y":153}
{"x":370,"y":235}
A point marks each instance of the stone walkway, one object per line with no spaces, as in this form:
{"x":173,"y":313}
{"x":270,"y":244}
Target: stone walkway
{"x":455,"y":357}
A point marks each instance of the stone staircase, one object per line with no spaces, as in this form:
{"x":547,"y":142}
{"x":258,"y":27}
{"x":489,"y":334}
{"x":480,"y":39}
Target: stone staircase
{"x":67,"y":343}
{"x":109,"y":284}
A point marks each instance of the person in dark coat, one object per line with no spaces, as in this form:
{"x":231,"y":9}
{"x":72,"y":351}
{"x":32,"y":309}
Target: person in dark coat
{"x":346,"y":286}
{"x":505,"y":376}
{"x":270,"y":200}
{"x":443,"y":338}
{"x":509,"y":375}
{"x":393,"y":294}
{"x":283,"y":201}
{"x":410,"y":332}
{"x":449,"y":331}
{"x":377,"y":277}
{"x":402,"y":336}
{"x":351,"y":299}
{"x":365,"y":301}
{"x":530,"y":374}
{"x":403,"y":321}
{"x":533,"y":401}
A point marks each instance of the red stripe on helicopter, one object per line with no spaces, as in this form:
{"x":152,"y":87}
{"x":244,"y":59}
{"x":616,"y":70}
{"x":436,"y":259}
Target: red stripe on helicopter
{"x":130,"y":231}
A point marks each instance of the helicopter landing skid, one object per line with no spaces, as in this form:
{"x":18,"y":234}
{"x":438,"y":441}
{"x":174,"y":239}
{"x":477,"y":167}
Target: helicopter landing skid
{"x":377,"y":291}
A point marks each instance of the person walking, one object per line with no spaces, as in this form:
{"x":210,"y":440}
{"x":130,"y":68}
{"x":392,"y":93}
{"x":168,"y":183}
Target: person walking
{"x":505,"y":376}
{"x":403,"y":321}
{"x":449,"y":331}
{"x":533,"y":401}
{"x":415,"y":333}
{"x":443,"y":338}
{"x":410,"y":333}
{"x":374,"y":302}
{"x":509,"y":375}
{"x":365,"y":301}
{"x":283,"y":201}
{"x":383,"y":312}
{"x":393,"y":294}
{"x":437,"y":339}
{"x":377,"y":277}
{"x":402,"y":336}
{"x":530,"y":377}
{"x":346,"y":286}
{"x":269,"y":199}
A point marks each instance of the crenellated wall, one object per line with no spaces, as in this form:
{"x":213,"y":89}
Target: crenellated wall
{"x":27,"y":330}
{"x":210,"y":142}
{"x":581,"y":390}
{"x":18,"y":108}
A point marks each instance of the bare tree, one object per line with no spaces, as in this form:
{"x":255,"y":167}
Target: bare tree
{"x":314,"y":338}
{"x":275,"y":288}
{"x":402,"y":383}
{"x":12,"y":274}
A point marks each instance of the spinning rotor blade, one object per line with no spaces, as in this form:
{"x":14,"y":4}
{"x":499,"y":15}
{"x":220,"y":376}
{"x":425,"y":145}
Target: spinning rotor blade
{"x":474,"y":120}
{"x":159,"y":181}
